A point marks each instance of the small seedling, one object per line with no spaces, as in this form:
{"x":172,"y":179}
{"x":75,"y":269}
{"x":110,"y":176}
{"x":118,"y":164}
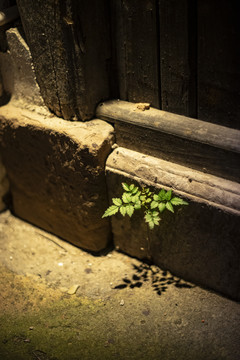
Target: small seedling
{"x":134,"y":198}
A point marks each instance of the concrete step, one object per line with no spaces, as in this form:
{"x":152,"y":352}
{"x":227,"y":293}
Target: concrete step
{"x":116,"y":309}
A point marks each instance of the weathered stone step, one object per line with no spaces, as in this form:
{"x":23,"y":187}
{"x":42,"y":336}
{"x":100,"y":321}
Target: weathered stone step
{"x":56,"y":171}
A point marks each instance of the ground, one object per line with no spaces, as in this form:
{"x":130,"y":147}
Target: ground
{"x":60,"y":302}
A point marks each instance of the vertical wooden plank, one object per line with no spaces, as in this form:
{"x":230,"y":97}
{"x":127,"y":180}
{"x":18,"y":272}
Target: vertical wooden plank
{"x":178,"y":56}
{"x":137,"y":50}
{"x":219,"y":62}
{"x":70,"y":45}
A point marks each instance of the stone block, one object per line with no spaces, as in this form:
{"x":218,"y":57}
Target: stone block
{"x":18,"y":76}
{"x":56,"y":170}
{"x":200,"y":242}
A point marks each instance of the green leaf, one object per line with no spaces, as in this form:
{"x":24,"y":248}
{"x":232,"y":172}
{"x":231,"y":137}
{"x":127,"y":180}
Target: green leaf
{"x":155,"y":197}
{"x":155,"y":214}
{"x":135,"y":198}
{"x":125,"y":186}
{"x":168,"y":195}
{"x":148,"y":200}
{"x":161,"y":206}
{"x":154,"y":204}
{"x":151,"y":224}
{"x":161,"y":194}
{"x":156,"y":220}
{"x":123,"y":210}
{"x":177,"y":201}
{"x":169,"y":207}
{"x":148,"y":217}
{"x":143,"y":197}
{"x":131,"y":187}
{"x":137,"y":205}
{"x":127,"y":198}
{"x":135,"y":190}
{"x":117,"y":201}
{"x":112,"y":210}
{"x":130,"y":210}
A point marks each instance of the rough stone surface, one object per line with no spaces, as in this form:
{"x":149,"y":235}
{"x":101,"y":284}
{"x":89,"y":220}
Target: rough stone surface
{"x":200,"y":242}
{"x":18,"y":74}
{"x":56,"y":173}
{"x":116,"y":313}
{"x":4,"y":185}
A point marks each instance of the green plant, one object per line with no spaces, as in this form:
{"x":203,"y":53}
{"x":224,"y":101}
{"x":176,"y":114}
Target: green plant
{"x":134,"y":198}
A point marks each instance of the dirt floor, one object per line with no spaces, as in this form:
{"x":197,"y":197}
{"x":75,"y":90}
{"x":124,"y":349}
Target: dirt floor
{"x":60,"y":302}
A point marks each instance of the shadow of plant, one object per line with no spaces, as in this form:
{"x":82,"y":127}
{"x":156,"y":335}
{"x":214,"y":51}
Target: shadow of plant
{"x":160,"y":280}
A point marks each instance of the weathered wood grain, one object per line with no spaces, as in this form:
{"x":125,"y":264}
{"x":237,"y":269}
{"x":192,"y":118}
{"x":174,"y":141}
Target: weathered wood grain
{"x":70,"y":46}
{"x":197,"y":144}
{"x":136,"y":40}
{"x":218,"y":62}
{"x":178,"y":56}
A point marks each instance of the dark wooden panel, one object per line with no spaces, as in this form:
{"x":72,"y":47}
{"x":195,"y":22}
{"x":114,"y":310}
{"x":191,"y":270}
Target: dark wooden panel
{"x":197,"y":144}
{"x":199,"y":156}
{"x":219,"y":62}
{"x":178,"y":56}
{"x":70,"y":46}
{"x":136,"y":41}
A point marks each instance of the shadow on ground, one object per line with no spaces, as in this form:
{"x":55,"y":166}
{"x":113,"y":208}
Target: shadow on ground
{"x":159,"y":279}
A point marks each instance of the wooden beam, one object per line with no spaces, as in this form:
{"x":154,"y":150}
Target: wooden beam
{"x":197,"y":144}
{"x":70,"y":46}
